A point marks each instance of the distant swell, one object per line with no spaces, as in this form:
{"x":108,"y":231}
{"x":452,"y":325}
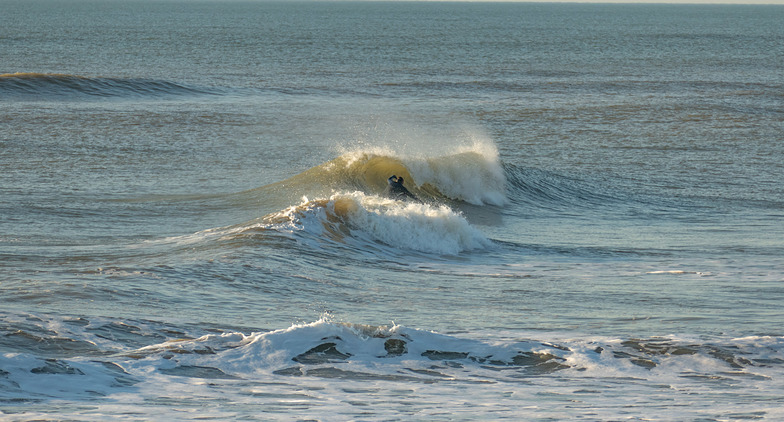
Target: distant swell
{"x":47,"y":85}
{"x":547,"y":190}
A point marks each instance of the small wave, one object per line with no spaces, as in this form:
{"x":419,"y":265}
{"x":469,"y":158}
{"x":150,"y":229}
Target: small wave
{"x":367,"y":351}
{"x":110,"y":357}
{"x":296,"y":350}
{"x":674,"y":272}
{"x":365,"y":220}
{"x":52,"y":85}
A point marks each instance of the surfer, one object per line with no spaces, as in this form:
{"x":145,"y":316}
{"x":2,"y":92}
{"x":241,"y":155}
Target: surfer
{"x":396,"y":190}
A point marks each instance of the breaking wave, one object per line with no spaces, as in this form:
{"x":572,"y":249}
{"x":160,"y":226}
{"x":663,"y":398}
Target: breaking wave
{"x":342,"y":202}
{"x":471,"y":174}
{"x":77,"y":358}
{"x":368,"y":223}
{"x":406,"y":225}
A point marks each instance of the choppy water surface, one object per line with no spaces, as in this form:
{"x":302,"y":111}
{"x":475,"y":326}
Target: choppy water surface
{"x":193,"y":222}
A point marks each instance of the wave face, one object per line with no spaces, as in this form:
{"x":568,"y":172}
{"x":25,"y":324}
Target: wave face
{"x":50,"y":85}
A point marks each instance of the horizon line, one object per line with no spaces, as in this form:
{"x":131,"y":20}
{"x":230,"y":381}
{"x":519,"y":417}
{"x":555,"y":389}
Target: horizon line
{"x":673,"y":2}
{"x":684,"y":2}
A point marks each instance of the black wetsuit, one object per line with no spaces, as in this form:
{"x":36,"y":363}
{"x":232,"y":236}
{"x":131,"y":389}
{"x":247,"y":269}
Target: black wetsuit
{"x":396,"y":190}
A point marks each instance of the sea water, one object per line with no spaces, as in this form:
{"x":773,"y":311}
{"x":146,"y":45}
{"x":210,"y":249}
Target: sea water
{"x":193,"y":225}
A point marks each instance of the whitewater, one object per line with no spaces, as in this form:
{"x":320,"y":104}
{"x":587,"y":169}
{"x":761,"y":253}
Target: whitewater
{"x":193,"y":219}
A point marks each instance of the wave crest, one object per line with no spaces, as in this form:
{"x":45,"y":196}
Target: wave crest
{"x":470,"y":174}
{"x":303,"y":348}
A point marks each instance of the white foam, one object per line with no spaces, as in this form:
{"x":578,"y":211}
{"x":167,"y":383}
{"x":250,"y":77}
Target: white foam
{"x":421,"y":227}
{"x":33,"y":377}
{"x":673,"y":272}
{"x":465,"y":376}
{"x":265,"y":352}
{"x":401,"y":225}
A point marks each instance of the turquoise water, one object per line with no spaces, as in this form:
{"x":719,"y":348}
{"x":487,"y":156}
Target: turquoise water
{"x":193,"y":221}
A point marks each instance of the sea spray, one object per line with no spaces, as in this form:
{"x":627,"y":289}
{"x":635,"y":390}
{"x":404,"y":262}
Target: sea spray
{"x":469,"y":175}
{"x":461,"y":162}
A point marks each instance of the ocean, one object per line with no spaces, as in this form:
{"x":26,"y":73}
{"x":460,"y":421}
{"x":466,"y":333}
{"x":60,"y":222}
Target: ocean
{"x":193,"y":222}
